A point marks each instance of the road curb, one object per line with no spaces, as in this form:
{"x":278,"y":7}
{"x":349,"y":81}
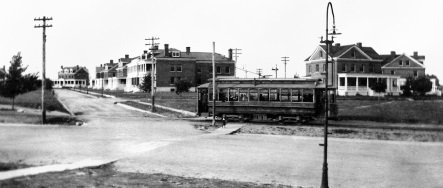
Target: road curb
{"x":140,"y":110}
{"x":51,"y":168}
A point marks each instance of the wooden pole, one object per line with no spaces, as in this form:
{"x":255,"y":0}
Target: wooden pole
{"x":213,"y":84}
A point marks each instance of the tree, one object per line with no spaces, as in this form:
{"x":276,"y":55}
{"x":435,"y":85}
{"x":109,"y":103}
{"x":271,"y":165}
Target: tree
{"x":379,"y":86}
{"x":182,"y":86}
{"x":422,"y":85}
{"x":14,"y":84}
{"x":146,"y":83}
{"x":30,"y":82}
{"x":407,"y":88}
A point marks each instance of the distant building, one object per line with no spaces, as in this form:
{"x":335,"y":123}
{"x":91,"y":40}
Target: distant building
{"x":352,"y":69}
{"x":171,"y":65}
{"x":403,"y":65}
{"x":75,"y":76}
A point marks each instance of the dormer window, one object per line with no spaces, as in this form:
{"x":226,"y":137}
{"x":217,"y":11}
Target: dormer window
{"x":321,"y":53}
{"x":175,"y":54}
{"x":353,"y":54}
{"x":400,"y":63}
{"x":407,"y":62}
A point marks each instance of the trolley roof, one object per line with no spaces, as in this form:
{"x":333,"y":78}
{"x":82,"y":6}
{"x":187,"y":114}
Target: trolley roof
{"x":265,"y":83}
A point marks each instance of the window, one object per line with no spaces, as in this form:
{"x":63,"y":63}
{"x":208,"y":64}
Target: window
{"x":407,"y":62}
{"x":175,"y":54}
{"x":296,"y":95}
{"x":172,"y":80}
{"x":343,"y":67}
{"x":218,"y":70}
{"x":342,"y":81}
{"x":308,"y":95}
{"x":352,"y":81}
{"x":393,"y":72}
{"x":223,"y":95}
{"x":233,"y":94}
{"x":243,"y":93}
{"x":394,"y":82}
{"x":264,"y":95}
{"x":362,"y":68}
{"x":321,"y":53}
{"x":199,"y":70}
{"x":179,"y":68}
{"x":253,"y":95}
{"x":309,"y":67}
{"x":316,"y":67}
{"x":285,"y":94}
{"x":362,"y":82}
{"x":228,"y":70}
{"x":415,"y":73}
{"x":274,"y":95}
{"x":324,"y":67}
{"x":172,"y":68}
{"x":353,"y":68}
{"x":353,"y":54}
{"x":400,"y":63}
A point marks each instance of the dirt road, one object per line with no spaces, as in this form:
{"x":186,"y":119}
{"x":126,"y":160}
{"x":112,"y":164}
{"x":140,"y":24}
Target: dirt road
{"x":150,"y":144}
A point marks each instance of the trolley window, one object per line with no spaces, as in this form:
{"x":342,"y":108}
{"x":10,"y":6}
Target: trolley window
{"x":285,"y":94}
{"x":296,"y":95}
{"x":308,"y":95}
{"x":274,"y":95}
{"x":264,"y":95}
{"x":253,"y":95}
{"x":233,"y":94}
{"x":243,"y":93}
{"x":223,"y":95}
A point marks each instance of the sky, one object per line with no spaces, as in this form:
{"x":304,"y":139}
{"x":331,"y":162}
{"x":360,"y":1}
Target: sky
{"x":92,"y":32}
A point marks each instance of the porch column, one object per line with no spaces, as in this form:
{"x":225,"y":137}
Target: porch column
{"x":356,"y":83}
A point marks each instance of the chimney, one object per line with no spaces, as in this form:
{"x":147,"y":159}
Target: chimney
{"x":337,"y":44}
{"x":359,"y":45}
{"x":166,"y":50}
{"x":393,"y":54}
{"x":126,"y":56}
{"x":145,"y":52}
{"x":188,"y":50}
{"x":4,"y":67}
{"x":100,"y":65}
{"x":415,"y":55}
{"x":78,"y":67}
{"x":111,"y":61}
{"x":230,"y":54}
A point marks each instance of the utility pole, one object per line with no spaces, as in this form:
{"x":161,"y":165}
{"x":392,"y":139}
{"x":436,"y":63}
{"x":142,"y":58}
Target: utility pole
{"x":259,"y":72}
{"x":246,"y":72}
{"x":285,"y":59}
{"x":213,"y":84}
{"x":153,"y":48}
{"x":236,"y":53}
{"x":44,"y":26}
{"x":275,"y":69}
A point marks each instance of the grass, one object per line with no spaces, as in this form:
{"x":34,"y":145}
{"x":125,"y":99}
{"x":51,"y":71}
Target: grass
{"x":398,"y":111}
{"x":158,"y":110}
{"x":33,"y":100}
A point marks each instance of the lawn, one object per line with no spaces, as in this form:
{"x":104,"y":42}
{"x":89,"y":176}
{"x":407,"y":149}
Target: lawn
{"x":33,"y":100}
{"x":395,"y":111}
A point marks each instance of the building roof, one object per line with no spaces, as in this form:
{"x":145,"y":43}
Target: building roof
{"x":75,"y":68}
{"x":338,"y":50}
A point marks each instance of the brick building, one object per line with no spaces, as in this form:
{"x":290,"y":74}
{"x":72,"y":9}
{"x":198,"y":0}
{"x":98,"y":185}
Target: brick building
{"x":403,"y":65}
{"x":352,"y":69}
{"x":75,"y":76}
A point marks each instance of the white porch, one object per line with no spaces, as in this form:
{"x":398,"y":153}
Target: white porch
{"x":350,"y":84}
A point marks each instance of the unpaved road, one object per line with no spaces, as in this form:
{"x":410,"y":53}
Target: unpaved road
{"x":150,"y":144}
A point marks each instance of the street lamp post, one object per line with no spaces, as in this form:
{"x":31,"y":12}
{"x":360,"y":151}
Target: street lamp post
{"x":324,"y":180}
